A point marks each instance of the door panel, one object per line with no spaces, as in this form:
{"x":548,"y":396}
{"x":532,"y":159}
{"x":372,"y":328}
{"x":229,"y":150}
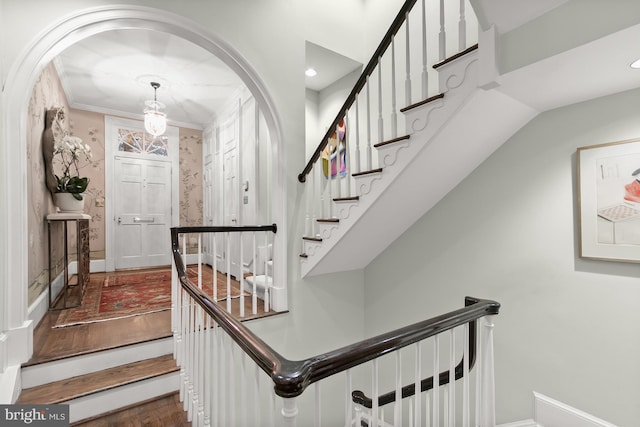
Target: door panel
{"x":143,"y":212}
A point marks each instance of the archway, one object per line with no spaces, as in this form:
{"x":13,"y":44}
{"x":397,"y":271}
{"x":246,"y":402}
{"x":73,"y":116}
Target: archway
{"x":13,"y":163}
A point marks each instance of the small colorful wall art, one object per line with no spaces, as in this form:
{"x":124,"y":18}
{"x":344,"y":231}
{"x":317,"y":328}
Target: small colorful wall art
{"x":609,"y":197}
{"x":335,"y":152}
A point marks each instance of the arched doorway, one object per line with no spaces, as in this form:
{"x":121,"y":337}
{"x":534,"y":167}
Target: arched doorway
{"x":13,"y":163}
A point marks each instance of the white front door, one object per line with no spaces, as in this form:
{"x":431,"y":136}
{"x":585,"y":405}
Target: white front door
{"x":142,"y":212}
{"x":141,"y":185}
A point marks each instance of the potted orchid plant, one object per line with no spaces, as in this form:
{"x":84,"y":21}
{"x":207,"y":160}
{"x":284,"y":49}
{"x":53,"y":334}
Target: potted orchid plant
{"x":68,"y":153}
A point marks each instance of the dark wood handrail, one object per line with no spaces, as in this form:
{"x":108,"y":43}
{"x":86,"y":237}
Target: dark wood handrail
{"x":426,"y":384}
{"x":291,"y":377}
{"x":369,"y":69}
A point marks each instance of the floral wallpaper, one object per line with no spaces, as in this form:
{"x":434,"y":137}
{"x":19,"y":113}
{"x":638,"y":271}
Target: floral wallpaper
{"x":89,"y":126}
{"x":190,"y":177}
{"x":47,"y":93}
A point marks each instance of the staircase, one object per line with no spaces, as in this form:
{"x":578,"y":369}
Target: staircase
{"x":103,"y":381}
{"x":447,"y":136}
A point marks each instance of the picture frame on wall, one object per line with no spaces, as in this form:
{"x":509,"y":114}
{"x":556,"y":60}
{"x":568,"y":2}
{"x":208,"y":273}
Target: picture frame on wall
{"x":609,"y":200}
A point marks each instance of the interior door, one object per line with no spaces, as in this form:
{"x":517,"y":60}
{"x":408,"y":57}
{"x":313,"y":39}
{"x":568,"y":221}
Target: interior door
{"x":230,"y":169}
{"x":142,"y":212}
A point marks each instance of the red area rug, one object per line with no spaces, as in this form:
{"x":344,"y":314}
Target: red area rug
{"x":114,"y":296}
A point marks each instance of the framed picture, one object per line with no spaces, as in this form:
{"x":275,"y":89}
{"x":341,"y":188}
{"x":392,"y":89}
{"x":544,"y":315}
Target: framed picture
{"x":609,"y":199}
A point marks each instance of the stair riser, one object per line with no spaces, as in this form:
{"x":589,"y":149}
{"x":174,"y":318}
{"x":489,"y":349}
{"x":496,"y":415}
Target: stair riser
{"x":44,"y":373}
{"x":120,"y":397}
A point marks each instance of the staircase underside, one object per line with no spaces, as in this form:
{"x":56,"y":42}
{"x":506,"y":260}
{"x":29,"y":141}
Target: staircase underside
{"x":449,"y":138}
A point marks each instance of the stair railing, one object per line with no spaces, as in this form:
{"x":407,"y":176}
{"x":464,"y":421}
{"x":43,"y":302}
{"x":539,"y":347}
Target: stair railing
{"x":400,"y":71}
{"x":223,"y":366}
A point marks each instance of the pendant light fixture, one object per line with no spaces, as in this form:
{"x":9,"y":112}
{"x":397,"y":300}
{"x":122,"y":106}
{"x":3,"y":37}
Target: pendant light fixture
{"x":155,"y":120}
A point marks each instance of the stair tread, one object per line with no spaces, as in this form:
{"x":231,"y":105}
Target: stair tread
{"x":391,"y":141}
{"x":346,"y":199}
{"x":304,"y":256}
{"x":456,"y":56}
{"x":372,"y":171}
{"x":328,"y":220}
{"x":423,"y":102}
{"x":311,"y":238}
{"x":72,"y":388}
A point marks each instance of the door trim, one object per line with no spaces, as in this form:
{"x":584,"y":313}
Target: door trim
{"x":110,"y":152}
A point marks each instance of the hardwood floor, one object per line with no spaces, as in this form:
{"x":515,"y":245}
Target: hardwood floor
{"x":165,"y":411}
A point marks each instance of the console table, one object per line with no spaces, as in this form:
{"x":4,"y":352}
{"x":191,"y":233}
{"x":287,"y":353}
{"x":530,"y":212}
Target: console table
{"x":71,"y":293}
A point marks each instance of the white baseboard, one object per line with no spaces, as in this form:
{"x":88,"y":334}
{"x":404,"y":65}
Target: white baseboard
{"x":551,"y":413}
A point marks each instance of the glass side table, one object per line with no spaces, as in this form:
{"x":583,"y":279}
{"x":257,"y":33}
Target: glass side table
{"x":71,"y":294}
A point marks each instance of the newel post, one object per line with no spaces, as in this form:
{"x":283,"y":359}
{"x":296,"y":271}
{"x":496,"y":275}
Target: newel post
{"x":487,"y":408}
{"x":289,"y":411}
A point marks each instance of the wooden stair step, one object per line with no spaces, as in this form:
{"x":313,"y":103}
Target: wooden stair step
{"x":328,"y":220}
{"x":83,"y":385}
{"x":372,"y":171}
{"x":391,"y":141}
{"x":456,"y":56}
{"x":347,"y":199}
{"x":304,"y":256}
{"x":423,"y":102}
{"x":166,"y":410}
{"x":312,"y":239}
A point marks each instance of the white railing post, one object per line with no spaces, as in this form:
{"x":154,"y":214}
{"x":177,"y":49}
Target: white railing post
{"x":394,"y":116}
{"x":487,"y":416}
{"x":462,"y":28}
{"x":425,"y":74}
{"x":358,"y":168}
{"x":368,"y":126}
{"x":407,"y":82}
{"x":442,"y":36}
{"x":289,"y":412}
{"x":380,"y":118}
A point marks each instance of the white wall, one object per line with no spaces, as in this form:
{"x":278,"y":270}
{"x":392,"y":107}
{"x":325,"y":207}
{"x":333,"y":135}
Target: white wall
{"x":568,"y":326}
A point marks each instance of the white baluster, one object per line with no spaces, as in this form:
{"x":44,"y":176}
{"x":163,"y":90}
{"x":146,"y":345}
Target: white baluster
{"x":394,"y":115}
{"x":425,"y":74}
{"x":418,"y":383}
{"x":452,"y":378}
{"x":244,"y":407}
{"x":348,"y":155}
{"x":487,"y":417}
{"x":289,"y":412}
{"x":241,"y":267}
{"x":442,"y":36}
{"x":358,"y":168}
{"x":427,"y":409}
{"x":256,"y":395}
{"x":339,"y":164}
{"x":330,"y":181}
{"x":317,"y":406}
{"x":228,"y":256}
{"x":349,"y":401}
{"x":462,"y":28}
{"x":254,"y":292}
{"x":318,"y":210}
{"x":201,"y":362}
{"x":465,"y":378}
{"x":407,"y":81}
{"x":410,"y":412}
{"x":380,"y":119}
{"x":208,"y":364}
{"x":368,"y":126}
{"x":374,"y":394}
{"x":267,"y":289}
{"x":436,"y":380}
{"x":231,"y":386}
{"x":397,"y":407}
{"x":200,"y":260}
{"x":358,"y":416}
{"x":445,"y":405}
{"x":272,"y":410}
{"x":216,"y":376}
{"x":215,"y":267}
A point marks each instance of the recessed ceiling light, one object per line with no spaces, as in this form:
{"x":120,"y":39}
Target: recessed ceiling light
{"x":310,"y":72}
{"x":635,"y":64}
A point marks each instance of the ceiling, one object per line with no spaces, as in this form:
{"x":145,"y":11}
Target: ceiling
{"x":111,"y":73}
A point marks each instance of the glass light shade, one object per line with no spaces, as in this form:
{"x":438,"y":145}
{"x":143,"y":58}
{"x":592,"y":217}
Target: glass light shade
{"x":155,"y":121}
